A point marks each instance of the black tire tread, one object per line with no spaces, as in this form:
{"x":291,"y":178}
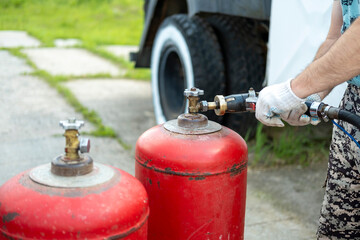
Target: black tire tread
{"x":205,"y":54}
{"x":244,"y":54}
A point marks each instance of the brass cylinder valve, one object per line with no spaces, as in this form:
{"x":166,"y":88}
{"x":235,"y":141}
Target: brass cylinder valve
{"x":192,"y":95}
{"x":72,"y":163}
{"x":73,"y":143}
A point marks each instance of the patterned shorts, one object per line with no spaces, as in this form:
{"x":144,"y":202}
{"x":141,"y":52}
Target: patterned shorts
{"x":340,"y":212}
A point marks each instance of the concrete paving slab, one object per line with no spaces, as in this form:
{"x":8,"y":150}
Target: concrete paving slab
{"x":295,"y":189}
{"x":122,"y":50}
{"x":125,"y":105}
{"x":11,"y":66}
{"x":109,"y":151}
{"x":263,"y":221}
{"x":69,"y":42}
{"x":30,"y":134}
{"x":70,"y":61}
{"x":14,"y":39}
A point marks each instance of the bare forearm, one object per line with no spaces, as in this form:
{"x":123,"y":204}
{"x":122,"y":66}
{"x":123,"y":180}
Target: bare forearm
{"x":336,"y":66}
{"x":324,"y":48}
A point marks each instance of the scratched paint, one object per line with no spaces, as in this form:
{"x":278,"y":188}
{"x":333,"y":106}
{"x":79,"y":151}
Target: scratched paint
{"x":9,"y":217}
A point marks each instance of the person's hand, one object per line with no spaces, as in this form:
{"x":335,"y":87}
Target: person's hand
{"x":296,"y":117}
{"x":274,"y":101}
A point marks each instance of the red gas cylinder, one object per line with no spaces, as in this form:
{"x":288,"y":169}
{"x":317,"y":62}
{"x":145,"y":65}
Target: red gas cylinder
{"x":73,"y":198}
{"x":194,"y":172}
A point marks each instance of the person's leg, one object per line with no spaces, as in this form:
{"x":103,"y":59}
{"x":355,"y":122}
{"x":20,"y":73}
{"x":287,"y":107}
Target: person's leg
{"x":340,"y":214}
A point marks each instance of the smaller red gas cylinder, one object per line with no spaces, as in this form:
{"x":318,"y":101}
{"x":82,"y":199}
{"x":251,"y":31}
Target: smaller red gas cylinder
{"x":73,"y":198}
{"x":194,"y":172}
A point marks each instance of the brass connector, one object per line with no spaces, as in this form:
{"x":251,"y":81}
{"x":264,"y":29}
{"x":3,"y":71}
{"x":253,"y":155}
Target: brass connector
{"x":221,"y":105}
{"x":72,"y":145}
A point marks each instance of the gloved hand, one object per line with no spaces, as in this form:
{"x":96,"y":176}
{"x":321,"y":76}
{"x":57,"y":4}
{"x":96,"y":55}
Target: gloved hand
{"x":274,"y":101}
{"x":296,"y":117}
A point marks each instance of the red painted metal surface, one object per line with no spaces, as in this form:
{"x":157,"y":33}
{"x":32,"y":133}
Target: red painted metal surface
{"x":117,"y":209}
{"x":196,"y":184}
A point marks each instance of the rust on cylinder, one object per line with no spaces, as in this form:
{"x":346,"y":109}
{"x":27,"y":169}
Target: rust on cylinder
{"x":83,"y":166}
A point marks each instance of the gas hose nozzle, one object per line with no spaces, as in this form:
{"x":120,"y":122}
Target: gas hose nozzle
{"x":244,"y":102}
{"x":322,"y":111}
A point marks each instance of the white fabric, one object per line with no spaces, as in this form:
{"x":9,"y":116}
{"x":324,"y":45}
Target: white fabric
{"x":274,"y":101}
{"x":296,"y":117}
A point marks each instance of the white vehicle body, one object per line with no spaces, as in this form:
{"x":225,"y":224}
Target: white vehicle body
{"x":297,"y":29}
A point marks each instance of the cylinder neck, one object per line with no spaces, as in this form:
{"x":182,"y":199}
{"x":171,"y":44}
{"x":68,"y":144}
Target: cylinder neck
{"x":192,"y":124}
{"x":192,"y":121}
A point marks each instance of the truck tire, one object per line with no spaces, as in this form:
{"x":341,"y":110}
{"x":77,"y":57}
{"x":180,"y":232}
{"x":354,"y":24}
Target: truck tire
{"x":244,"y":53}
{"x":185,"y":54}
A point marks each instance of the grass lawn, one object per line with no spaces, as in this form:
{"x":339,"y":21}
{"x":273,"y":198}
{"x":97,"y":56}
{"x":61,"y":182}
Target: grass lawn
{"x":95,"y":22}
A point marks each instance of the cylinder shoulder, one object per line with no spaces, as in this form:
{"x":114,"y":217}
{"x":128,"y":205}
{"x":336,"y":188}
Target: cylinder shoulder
{"x":212,"y":153}
{"x":116,"y":207}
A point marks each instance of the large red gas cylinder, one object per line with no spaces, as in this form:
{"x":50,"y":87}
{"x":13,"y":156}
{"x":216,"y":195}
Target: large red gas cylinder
{"x":194,"y":172}
{"x":75,"y":200}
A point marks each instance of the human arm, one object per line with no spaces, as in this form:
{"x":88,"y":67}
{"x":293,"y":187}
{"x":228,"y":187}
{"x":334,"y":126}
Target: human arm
{"x":332,"y":36}
{"x":280,"y":100}
{"x":336,"y":66}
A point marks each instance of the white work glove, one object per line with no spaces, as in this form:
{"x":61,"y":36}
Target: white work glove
{"x":274,"y":101}
{"x":296,"y":117}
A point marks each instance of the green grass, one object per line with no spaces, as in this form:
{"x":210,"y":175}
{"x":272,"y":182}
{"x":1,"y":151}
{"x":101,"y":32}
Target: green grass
{"x":290,"y":145}
{"x":130,"y":71}
{"x":95,"y":22}
{"x":89,"y":115}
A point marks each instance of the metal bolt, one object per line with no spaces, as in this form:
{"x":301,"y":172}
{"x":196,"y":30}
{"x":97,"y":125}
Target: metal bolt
{"x":204,"y":106}
{"x":71,"y":124}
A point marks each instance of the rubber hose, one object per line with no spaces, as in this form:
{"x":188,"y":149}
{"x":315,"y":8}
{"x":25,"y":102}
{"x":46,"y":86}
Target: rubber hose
{"x":350,"y":118}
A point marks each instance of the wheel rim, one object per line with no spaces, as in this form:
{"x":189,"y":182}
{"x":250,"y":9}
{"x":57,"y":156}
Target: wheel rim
{"x":172,"y":82}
